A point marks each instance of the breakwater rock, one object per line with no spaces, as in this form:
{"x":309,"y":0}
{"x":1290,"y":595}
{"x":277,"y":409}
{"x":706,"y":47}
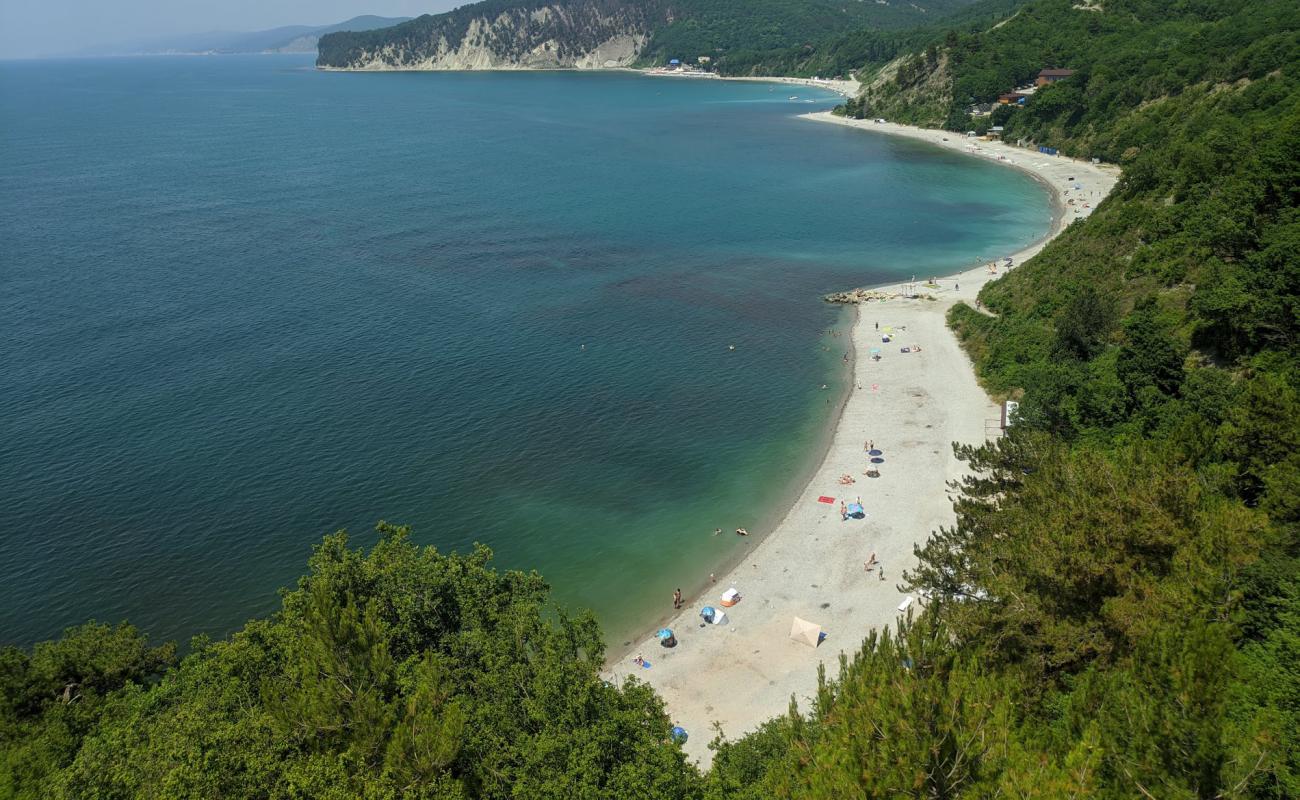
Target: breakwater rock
{"x":854,"y":296}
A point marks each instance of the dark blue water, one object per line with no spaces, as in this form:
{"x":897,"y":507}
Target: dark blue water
{"x":243,"y":304}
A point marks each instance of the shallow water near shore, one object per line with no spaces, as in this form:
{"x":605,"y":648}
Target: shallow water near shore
{"x":246,"y":303}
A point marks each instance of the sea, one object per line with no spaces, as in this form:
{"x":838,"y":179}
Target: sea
{"x":573,"y":316}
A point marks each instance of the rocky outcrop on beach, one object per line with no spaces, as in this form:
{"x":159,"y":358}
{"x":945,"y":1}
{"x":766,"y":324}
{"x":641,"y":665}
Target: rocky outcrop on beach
{"x":855,"y":296}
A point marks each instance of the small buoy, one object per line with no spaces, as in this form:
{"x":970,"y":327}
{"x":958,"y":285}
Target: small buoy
{"x":731,"y":347}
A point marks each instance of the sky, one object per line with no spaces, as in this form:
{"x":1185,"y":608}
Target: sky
{"x":34,"y":28}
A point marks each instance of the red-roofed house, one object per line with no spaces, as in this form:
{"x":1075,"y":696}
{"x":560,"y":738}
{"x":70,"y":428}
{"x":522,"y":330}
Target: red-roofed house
{"x":1052,"y":76}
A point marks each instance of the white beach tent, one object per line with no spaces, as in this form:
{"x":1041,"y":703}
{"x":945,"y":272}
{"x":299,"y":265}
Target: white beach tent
{"x":807,"y":632}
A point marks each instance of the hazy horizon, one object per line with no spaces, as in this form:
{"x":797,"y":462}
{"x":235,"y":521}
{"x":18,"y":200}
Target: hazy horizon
{"x":29,"y":30}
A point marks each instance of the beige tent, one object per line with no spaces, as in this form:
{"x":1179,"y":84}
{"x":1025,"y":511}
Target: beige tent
{"x":804,"y":631}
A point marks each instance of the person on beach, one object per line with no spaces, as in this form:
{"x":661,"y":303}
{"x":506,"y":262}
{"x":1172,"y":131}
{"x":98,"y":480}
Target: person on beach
{"x":639,"y":661}
{"x":870,"y":562}
{"x":844,"y":511}
{"x":677,"y":599}
{"x":882,"y":572}
{"x":712,"y":579}
{"x":741,"y":532}
{"x":717,"y":531}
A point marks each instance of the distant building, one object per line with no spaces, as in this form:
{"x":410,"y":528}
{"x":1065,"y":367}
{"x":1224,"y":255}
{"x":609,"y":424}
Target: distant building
{"x":1013,"y":98}
{"x":704,"y":59}
{"x":980,"y":109}
{"x":674,"y":63}
{"x":995,"y":132}
{"x":1048,"y":76}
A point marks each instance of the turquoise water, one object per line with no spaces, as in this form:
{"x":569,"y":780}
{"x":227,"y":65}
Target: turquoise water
{"x":244,"y":303}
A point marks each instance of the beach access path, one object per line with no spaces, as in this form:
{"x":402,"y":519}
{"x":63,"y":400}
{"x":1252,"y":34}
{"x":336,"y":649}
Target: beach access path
{"x":913,"y":406}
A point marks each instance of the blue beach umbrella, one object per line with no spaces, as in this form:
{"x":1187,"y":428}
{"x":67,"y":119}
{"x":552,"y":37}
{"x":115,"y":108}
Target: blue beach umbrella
{"x":875,"y":452}
{"x":664,"y":633}
{"x":679,"y":734}
{"x":877,"y":460}
{"x":708,"y":613}
{"x":855,"y":511}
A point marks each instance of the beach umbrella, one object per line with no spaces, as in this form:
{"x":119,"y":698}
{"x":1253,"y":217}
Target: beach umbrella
{"x":664,"y":633}
{"x":877,"y":460}
{"x":679,"y":734}
{"x":875,"y":452}
{"x":855,"y":511}
{"x":875,"y":351}
{"x":707,"y":613}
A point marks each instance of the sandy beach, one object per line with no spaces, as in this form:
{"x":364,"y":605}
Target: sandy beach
{"x":845,"y":88}
{"x":912,"y":406}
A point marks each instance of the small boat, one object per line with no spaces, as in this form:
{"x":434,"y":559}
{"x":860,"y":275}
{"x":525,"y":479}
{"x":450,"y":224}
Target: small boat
{"x":794,"y":97}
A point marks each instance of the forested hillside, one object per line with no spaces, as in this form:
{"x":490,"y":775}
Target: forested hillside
{"x":732,"y":33}
{"x":397,"y":672}
{"x":1115,"y":614}
{"x":1117,"y":611}
{"x":549,"y":33}
{"x":848,"y":52}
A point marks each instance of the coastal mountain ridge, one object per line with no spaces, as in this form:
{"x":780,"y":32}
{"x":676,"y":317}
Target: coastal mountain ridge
{"x":283,"y":39}
{"x":595,"y":34}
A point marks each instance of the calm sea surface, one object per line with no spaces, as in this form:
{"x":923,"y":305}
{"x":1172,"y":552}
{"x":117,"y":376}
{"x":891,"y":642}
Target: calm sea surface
{"x":244,"y":304}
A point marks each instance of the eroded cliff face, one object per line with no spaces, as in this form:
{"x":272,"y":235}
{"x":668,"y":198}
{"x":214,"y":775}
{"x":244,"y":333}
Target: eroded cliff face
{"x":569,"y":36}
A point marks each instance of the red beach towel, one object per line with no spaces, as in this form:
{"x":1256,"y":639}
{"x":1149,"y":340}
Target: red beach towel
{"x":825,"y":499}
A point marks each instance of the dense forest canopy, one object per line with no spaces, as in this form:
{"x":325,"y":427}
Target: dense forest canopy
{"x":1115,"y":612}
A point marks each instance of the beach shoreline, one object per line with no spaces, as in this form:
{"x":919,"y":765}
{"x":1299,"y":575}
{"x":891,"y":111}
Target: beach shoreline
{"x":769,"y":521}
{"x":842,"y":88}
{"x":912,"y":406}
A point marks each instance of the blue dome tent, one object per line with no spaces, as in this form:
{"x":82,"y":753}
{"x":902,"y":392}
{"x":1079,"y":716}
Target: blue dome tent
{"x":679,"y":734}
